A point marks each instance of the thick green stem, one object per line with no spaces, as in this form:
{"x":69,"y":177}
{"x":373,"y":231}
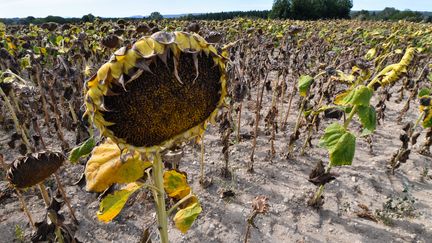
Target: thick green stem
{"x":160,"y":197}
{"x":350,"y":116}
{"x":170,"y":211}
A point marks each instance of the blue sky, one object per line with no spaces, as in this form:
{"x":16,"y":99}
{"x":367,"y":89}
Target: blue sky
{"x":124,"y":8}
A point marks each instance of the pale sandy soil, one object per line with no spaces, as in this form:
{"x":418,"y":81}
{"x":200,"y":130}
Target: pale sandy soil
{"x":283,"y":181}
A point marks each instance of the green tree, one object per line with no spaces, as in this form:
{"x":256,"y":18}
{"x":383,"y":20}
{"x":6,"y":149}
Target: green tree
{"x":155,"y":16}
{"x":88,"y":18}
{"x":281,"y":9}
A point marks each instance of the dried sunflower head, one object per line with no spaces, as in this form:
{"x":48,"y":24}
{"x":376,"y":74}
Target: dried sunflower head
{"x":34,"y":168}
{"x":163,"y":89}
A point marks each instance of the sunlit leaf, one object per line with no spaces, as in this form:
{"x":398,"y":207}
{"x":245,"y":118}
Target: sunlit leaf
{"x":304,"y":83}
{"x":343,"y":152}
{"x":82,"y":150}
{"x":175,"y":184}
{"x":185,"y":217}
{"x":112,"y":204}
{"x":367,"y":115}
{"x":105,"y":167}
{"x":424,"y":92}
{"x":340,"y":144}
{"x":361,"y":96}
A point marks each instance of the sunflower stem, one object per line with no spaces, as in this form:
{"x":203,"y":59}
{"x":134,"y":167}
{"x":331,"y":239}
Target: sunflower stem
{"x":24,"y":206}
{"x":202,"y":176}
{"x":18,"y":127}
{"x":160,"y":197}
{"x":44,"y":193}
{"x":63,"y":193}
{"x":238,"y":122}
{"x":179,"y":203}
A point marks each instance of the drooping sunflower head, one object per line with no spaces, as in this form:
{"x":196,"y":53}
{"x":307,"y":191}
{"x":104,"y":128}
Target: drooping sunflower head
{"x":34,"y":168}
{"x":163,"y":89}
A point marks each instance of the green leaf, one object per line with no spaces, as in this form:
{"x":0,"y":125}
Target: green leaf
{"x":112,"y":204}
{"x":304,"y":83}
{"x":185,"y":217}
{"x":340,"y":144}
{"x":175,"y":184}
{"x":370,"y":54}
{"x":331,"y":135}
{"x":424,"y":92}
{"x":58,"y":40}
{"x":366,"y":132}
{"x":84,"y":149}
{"x":345,"y":95}
{"x":367,"y":115}
{"x":361,"y":96}
{"x":343,"y":152}
{"x":427,"y":120}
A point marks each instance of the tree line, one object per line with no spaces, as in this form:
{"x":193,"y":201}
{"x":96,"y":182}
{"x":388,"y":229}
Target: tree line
{"x":311,"y":9}
{"x":392,"y":14}
{"x":282,"y":9}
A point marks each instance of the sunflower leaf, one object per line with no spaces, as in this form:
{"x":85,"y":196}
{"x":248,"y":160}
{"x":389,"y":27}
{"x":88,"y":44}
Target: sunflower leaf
{"x":367,"y":115}
{"x":304,"y":83}
{"x":84,"y":149}
{"x":105,"y":167}
{"x":185,"y":217}
{"x":112,"y":204}
{"x":175,"y":184}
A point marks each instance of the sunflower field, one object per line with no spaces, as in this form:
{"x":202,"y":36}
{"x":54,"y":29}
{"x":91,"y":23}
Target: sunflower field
{"x":243,"y":130}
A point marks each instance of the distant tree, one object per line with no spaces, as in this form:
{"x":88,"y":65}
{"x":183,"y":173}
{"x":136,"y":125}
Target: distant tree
{"x":88,"y":18}
{"x":155,"y":16}
{"x":344,"y":8}
{"x":55,"y":19}
{"x":228,"y":15}
{"x":304,"y":9}
{"x":361,"y":15}
{"x":388,"y":13}
{"x":281,"y":9}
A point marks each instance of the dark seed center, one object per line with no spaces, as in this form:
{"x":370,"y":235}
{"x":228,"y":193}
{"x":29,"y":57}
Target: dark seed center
{"x":156,"y":107}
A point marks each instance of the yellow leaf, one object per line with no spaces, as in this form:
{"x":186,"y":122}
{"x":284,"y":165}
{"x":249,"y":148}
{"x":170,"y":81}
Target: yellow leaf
{"x":339,"y":97}
{"x":184,"y":218}
{"x":105,"y":167}
{"x":182,"y":41}
{"x":112,"y":204}
{"x":370,"y":54}
{"x":116,"y":69}
{"x":175,"y":184}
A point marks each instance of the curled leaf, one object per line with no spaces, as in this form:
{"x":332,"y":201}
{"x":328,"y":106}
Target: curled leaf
{"x":175,"y":184}
{"x":84,"y":149}
{"x":112,"y":204}
{"x":105,"y":167}
{"x":304,"y":83}
{"x":185,"y":217}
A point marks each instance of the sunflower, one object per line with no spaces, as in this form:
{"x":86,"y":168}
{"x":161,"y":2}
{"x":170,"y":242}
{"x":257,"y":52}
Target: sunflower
{"x":162,"y":90}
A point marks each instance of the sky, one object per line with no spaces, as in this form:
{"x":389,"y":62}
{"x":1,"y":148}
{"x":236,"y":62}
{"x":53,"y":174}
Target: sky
{"x":125,"y":8}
